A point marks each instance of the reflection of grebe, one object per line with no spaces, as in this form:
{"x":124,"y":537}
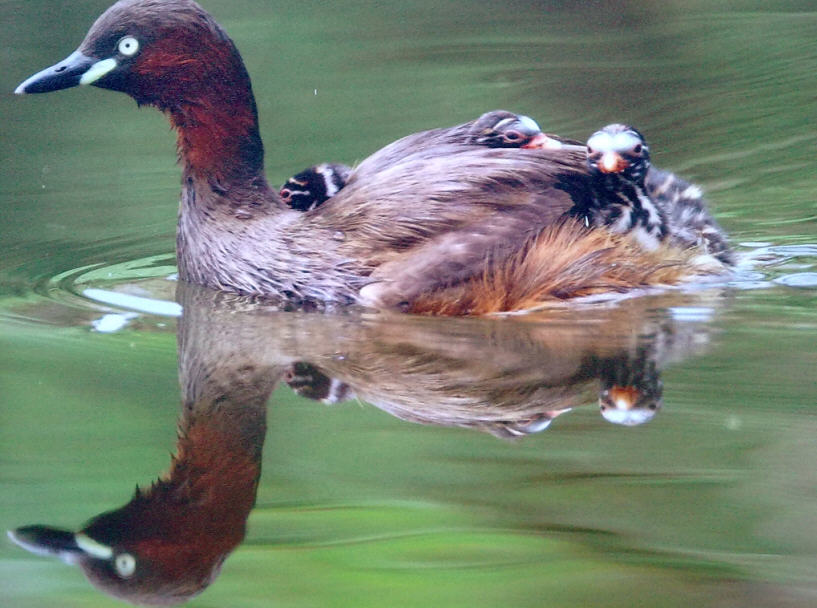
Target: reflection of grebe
{"x":513,"y":381}
{"x":630,"y":394}
{"x":169,"y":542}
{"x":412,"y":220}
{"x":509,"y":378}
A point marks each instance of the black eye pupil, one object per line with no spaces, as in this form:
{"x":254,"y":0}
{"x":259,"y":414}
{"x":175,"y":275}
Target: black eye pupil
{"x":637,"y":149}
{"x":513,"y":135}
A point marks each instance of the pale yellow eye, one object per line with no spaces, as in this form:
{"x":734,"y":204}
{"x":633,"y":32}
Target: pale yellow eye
{"x":128,"y":46}
{"x":125,"y":565}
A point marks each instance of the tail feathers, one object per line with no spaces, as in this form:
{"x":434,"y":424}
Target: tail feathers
{"x":564,"y":261}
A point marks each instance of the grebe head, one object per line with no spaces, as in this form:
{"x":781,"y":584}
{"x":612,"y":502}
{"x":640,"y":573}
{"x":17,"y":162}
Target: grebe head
{"x":171,"y":54}
{"x":159,"y":52}
{"x":619,"y":149}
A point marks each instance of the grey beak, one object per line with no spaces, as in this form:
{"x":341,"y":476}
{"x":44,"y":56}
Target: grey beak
{"x":63,"y":75}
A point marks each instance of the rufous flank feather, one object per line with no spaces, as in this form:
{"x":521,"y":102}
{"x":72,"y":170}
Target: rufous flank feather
{"x":564,"y":261}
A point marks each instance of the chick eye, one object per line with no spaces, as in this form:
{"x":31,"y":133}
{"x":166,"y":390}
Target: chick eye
{"x":513,"y":135}
{"x":125,"y":565}
{"x":128,"y":46}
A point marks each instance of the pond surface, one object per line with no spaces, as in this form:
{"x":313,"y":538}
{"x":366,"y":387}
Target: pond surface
{"x":410,"y":461}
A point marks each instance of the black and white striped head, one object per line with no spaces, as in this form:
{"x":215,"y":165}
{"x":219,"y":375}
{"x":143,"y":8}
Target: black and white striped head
{"x":619,"y":149}
{"x":502,"y":129}
{"x":312,"y":187}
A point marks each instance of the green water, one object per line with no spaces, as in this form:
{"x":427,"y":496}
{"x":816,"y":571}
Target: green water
{"x":712,"y":503}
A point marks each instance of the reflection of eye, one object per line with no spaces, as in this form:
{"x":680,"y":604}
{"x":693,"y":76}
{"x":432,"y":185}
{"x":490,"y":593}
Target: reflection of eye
{"x":128,"y":46}
{"x":125,"y":564}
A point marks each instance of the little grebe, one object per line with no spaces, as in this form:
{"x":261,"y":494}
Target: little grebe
{"x":496,"y":129}
{"x":420,"y":216}
{"x":652,"y":205}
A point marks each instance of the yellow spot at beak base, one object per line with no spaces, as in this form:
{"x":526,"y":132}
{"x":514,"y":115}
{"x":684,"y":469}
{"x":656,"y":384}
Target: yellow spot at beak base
{"x":98,"y":70}
{"x":92,"y":547}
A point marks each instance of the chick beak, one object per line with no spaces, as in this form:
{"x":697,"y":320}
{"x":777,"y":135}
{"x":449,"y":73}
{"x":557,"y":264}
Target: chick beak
{"x":540,"y":141}
{"x":74,"y":70}
{"x":612,"y":162}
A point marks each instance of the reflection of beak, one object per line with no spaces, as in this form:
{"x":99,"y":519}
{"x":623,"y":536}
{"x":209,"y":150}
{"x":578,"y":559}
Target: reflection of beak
{"x":624,"y":397}
{"x":612,"y":162}
{"x":43,"y":540}
{"x":75,"y":69}
{"x":540,"y":141}
{"x":54,"y":542}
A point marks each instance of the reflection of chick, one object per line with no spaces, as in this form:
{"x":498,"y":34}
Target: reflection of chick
{"x":311,"y":383}
{"x":515,"y":429}
{"x":631,"y":389}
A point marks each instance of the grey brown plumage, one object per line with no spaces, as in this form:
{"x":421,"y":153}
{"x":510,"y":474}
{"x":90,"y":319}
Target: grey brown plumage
{"x":421,"y":215}
{"x":314,"y":185}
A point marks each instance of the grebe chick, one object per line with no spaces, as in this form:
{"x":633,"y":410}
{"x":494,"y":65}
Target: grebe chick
{"x":313,"y":186}
{"x":654,"y":206}
{"x":618,"y":159}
